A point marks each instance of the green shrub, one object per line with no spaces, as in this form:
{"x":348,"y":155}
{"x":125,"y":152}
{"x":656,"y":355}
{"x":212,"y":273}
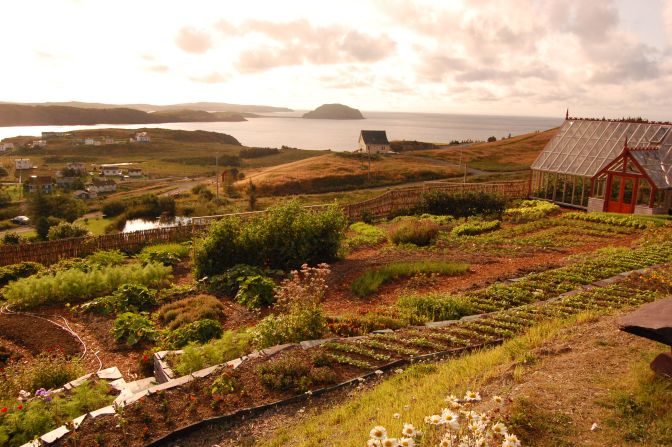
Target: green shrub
{"x":12,"y":238}
{"x":474,"y":228}
{"x":127,"y":298}
{"x":188,"y":310}
{"x":224,"y":384}
{"x":284,"y":237}
{"x":74,"y":285}
{"x":113,"y":208}
{"x":200,"y":331}
{"x":435,"y":306}
{"x":371,"y":280}
{"x":104,"y":258}
{"x":19,"y":426}
{"x":440,"y":220}
{"x":133,"y":329}
{"x":66,"y":230}
{"x":47,"y":370}
{"x":229,"y":282}
{"x":307,"y":324}
{"x":462,"y":204}
{"x":230,"y":346}
{"x":364,"y":235}
{"x":293,"y":373}
{"x":15,"y":271}
{"x":256,"y":291}
{"x":530,"y":210}
{"x":167,"y":254}
{"x":416,"y":232}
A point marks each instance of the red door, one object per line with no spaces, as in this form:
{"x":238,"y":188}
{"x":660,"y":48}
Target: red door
{"x":622,"y":193}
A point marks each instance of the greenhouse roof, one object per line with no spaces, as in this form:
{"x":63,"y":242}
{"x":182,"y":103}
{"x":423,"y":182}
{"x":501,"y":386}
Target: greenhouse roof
{"x":585,"y":146}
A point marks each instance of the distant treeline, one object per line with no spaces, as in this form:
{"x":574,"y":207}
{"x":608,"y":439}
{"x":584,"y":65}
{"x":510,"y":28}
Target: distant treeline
{"x":411,"y":145}
{"x":257,"y":152}
{"x":22,"y":115}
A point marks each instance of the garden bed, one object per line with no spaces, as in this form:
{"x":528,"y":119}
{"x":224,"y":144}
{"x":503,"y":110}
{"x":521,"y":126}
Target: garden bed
{"x":37,"y":335}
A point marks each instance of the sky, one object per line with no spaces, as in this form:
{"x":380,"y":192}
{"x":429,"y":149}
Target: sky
{"x":512,"y":57}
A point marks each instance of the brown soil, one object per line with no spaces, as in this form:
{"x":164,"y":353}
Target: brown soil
{"x":37,"y":335}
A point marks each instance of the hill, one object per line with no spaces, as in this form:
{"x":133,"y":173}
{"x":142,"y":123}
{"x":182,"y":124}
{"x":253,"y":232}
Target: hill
{"x":23,"y":115}
{"x":207,"y":106}
{"x":334,"y":112}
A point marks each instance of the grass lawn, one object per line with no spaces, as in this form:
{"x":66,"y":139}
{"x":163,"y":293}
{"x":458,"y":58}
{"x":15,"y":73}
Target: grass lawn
{"x":96,"y":225}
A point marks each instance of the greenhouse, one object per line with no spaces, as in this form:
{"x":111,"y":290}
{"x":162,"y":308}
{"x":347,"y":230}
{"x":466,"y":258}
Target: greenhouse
{"x":621,"y":166}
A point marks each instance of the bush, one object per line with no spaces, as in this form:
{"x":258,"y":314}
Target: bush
{"x":414,"y":232}
{"x":166,"y":254}
{"x":530,"y":210}
{"x":256,"y":291}
{"x":200,"y":331}
{"x":190,"y":309}
{"x":74,"y":285}
{"x":229,"y":282}
{"x":284,"y":237}
{"x":224,"y":384}
{"x":462,"y":205}
{"x":435,"y":307}
{"x":12,"y":238}
{"x":230,"y":346}
{"x":127,"y":298}
{"x":474,"y":228}
{"x":292,"y":373}
{"x":104,"y":258}
{"x":15,"y":271}
{"x":113,"y":208}
{"x":133,"y":329}
{"x":66,"y":230}
{"x":365,"y":235}
{"x":371,"y":280}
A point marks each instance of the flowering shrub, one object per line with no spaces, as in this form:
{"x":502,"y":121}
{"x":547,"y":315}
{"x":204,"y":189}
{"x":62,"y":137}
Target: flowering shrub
{"x":458,"y":425}
{"x":299,"y":310}
{"x":530,"y":210}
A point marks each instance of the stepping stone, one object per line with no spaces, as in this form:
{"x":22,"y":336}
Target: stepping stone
{"x":235,"y":363}
{"x":55,"y":435}
{"x":121,"y":398}
{"x":77,"y":382}
{"x":275,"y":349}
{"x":119,"y":384}
{"x":112,"y":373}
{"x":103,"y":411}
{"x":205,"y":372}
{"x":653,"y":321}
{"x":312,"y":343}
{"x":76,"y":422}
{"x":140,"y":385}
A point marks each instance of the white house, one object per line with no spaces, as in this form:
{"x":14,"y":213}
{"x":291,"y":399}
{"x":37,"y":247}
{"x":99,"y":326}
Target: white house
{"x":6,"y":146}
{"x":374,"y":142}
{"x":111,"y":170}
{"x":99,"y":186}
{"x":23,"y":163}
{"x":142,"y":137}
{"x":44,"y":183}
{"x":134,"y":172}
{"x":39,"y":143}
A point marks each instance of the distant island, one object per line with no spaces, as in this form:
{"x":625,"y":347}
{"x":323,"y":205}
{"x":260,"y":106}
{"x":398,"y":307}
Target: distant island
{"x":24,"y":115}
{"x":334,"y":112}
{"x":198,"y":106}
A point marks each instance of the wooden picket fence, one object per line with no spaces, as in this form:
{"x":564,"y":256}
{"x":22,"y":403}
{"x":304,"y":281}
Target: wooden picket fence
{"x":384,"y":205}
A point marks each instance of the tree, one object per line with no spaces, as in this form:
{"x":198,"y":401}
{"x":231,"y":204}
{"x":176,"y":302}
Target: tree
{"x":66,"y":230}
{"x":492,"y":139}
{"x":48,"y":210}
{"x":252,"y":196}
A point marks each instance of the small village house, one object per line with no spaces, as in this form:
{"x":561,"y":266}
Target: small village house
{"x":6,"y":146}
{"x":374,"y":142}
{"x":100,"y":186}
{"x":110,"y":170}
{"x":84,"y":195}
{"x":621,"y":166}
{"x":48,"y":135}
{"x":79,"y":168}
{"x":67,"y":182}
{"x":141,"y":137}
{"x":43,"y":183}
{"x":23,"y":163}
{"x":39,"y":143}
{"x":134,"y":172}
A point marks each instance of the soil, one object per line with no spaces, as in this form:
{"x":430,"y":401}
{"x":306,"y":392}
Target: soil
{"x":36,"y":335}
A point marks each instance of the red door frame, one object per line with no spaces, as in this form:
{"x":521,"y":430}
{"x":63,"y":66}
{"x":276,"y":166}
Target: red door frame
{"x":620,"y":206}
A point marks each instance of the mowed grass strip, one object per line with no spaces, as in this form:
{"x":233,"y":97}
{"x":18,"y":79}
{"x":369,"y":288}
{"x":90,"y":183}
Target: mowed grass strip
{"x":371,"y":280}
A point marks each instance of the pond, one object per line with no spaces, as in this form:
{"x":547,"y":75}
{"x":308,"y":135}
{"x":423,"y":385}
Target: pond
{"x":162,"y":222}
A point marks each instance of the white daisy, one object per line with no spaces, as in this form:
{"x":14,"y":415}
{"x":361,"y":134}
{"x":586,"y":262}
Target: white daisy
{"x":406,"y":442}
{"x":390,"y":442}
{"x":472,"y":396}
{"x":396,"y":415}
{"x":511,"y":440}
{"x":408,"y":431}
{"x":378,"y":432}
{"x":499,"y":429}
{"x":498,"y":400}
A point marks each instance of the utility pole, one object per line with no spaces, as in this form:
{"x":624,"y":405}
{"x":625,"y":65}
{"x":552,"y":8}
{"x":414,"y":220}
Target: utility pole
{"x":217,"y":174}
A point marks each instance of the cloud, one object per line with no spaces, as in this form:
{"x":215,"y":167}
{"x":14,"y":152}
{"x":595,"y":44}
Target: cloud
{"x":193,"y":40}
{"x":211,"y":78}
{"x":158,"y":68}
{"x":280,"y":44}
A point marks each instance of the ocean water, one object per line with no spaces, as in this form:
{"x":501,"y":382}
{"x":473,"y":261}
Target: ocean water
{"x":290,"y":130}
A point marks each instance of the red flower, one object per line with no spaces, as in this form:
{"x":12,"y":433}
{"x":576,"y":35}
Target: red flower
{"x":20,"y":407}
{"x":4,"y":410}
{"x":145,"y":358}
